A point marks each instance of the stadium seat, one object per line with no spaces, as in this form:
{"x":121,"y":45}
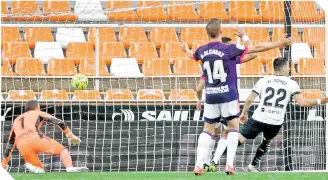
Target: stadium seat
{"x":190,"y":35}
{"x":119,"y":11}
{"x":26,"y":11}
{"x":231,"y":33}
{"x":152,"y":11}
{"x":305,"y":11}
{"x":268,"y":56}
{"x":129,"y":35}
{"x":58,"y":11}
{"x":150,"y":95}
{"x":156,"y":67}
{"x":47,"y":50}
{"x":311,"y":93}
{"x":313,"y":35}
{"x":86,"y":95}
{"x":186,"y":66}
{"x":21,"y":95}
{"x":29,"y":67}
{"x":183,"y":94}
{"x":110,"y":50}
{"x":119,"y":95}
{"x":80,"y":51}
{"x":54,"y":95}
{"x":163,"y":35}
{"x":6,"y":69}
{"x":210,"y":10}
{"x":244,"y":11}
{"x":122,"y":67}
{"x":66,"y":35}
{"x":14,"y":50}
{"x":9,"y":34}
{"x":89,"y":10}
{"x":142,"y":51}
{"x":105,"y":35}
{"x":253,"y":67}
{"x":33,"y":35}
{"x":61,"y":67}
{"x":272,"y":11}
{"x":184,"y":13}
{"x":320,"y":51}
{"x":5,"y":15}
{"x":278,"y":34}
{"x":311,"y":67}
{"x":171,"y":51}
{"x":257,"y":35}
{"x":88,"y":67}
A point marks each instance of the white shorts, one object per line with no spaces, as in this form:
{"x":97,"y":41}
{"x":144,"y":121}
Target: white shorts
{"x":225,"y":111}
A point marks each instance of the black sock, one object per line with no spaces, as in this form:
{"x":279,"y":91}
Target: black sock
{"x":261,"y":150}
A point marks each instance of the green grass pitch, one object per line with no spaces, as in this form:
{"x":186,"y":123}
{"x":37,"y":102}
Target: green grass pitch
{"x":170,"y":176}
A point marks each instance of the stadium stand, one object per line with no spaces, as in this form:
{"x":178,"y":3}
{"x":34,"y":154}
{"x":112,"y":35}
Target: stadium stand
{"x":244,"y":11}
{"x":88,"y":67}
{"x":34,"y":35}
{"x":156,"y":67}
{"x":29,"y":67}
{"x":130,"y":35}
{"x":190,"y":35}
{"x":105,"y":35}
{"x":58,"y":11}
{"x":126,"y":15}
{"x":118,"y":95}
{"x":307,"y":67}
{"x":61,"y":67}
{"x":14,"y":50}
{"x":230,"y":32}
{"x":67,"y":35}
{"x":171,"y":51}
{"x":163,"y":35}
{"x":54,"y":95}
{"x":211,"y":10}
{"x":89,"y":10}
{"x":186,"y":66}
{"x":306,"y":11}
{"x":142,"y":51}
{"x":21,"y":95}
{"x":110,"y":50}
{"x":253,"y":67}
{"x":313,"y":35}
{"x":6,"y":69}
{"x":84,"y":95}
{"x":125,"y":67}
{"x":9,"y":34}
{"x":184,"y":13}
{"x":5,"y":16}
{"x":47,"y":50}
{"x":183,"y":94}
{"x":150,"y":95}
{"x":272,"y":11}
{"x":26,"y":11}
{"x":80,"y":51}
{"x":152,"y":11}
{"x":257,"y":35}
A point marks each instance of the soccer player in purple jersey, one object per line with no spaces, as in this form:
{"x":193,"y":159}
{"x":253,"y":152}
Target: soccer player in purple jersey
{"x":222,"y":98}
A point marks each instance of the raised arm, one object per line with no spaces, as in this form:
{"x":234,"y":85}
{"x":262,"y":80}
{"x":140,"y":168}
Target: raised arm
{"x":268,"y":46}
{"x":186,"y":49}
{"x":309,"y":102}
{"x":9,"y":149}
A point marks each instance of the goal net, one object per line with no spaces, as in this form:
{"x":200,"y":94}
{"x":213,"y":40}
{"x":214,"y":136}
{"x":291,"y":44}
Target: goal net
{"x":139,"y":110}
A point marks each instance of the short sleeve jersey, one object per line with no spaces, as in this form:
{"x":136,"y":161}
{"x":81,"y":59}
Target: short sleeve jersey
{"x":275,"y":93}
{"x":219,"y":68}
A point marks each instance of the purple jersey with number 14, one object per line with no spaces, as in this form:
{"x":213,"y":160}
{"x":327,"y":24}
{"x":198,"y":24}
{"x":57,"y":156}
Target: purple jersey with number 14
{"x":219,"y":67}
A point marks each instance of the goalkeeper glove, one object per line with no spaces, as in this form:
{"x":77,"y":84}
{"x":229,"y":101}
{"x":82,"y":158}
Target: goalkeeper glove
{"x":72,"y":139}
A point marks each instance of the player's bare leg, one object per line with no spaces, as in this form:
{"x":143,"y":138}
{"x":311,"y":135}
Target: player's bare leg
{"x":67,"y":161}
{"x":232,"y":140}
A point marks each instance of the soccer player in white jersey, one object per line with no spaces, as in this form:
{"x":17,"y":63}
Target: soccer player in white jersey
{"x":222,"y":98}
{"x":275,"y":92}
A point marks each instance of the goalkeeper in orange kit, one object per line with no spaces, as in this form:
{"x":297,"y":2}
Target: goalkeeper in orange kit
{"x":26,"y":135}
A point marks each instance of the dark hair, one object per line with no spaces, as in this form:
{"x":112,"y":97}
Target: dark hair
{"x":31,"y":105}
{"x":225,"y":39}
{"x":278,"y":63}
{"x":213,"y":28}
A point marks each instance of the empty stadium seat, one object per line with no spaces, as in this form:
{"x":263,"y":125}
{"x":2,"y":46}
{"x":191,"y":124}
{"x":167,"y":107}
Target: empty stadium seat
{"x":182,"y":13}
{"x":5,"y":16}
{"x":253,"y":67}
{"x":278,"y":34}
{"x":210,"y":10}
{"x":9,"y":34}
{"x":268,"y":56}
{"x":311,"y":67}
{"x":29,"y":67}
{"x":33,"y":35}
{"x":156,"y":67}
{"x":86,"y":95}
{"x":171,"y":51}
{"x":150,"y":95}
{"x":110,"y":50}
{"x":119,"y":95}
{"x":26,"y":11}
{"x":80,"y":51}
{"x":66,"y":35}
{"x":6,"y":69}
{"x":272,"y":11}
{"x":152,"y":11}
{"x":58,"y":11}
{"x":186,"y":66}
{"x":14,"y":50}
{"x":257,"y":35}
{"x":183,"y":94}
{"x":190,"y":35}
{"x":47,"y":50}
{"x":311,"y":93}
{"x":231,"y":33}
{"x":142,"y":51}
{"x":129,"y":35}
{"x":88,"y":67}
{"x":61,"y":67}
{"x":320,"y":51}
{"x":54,"y":95}
{"x":21,"y":95}
{"x":305,"y":11}
{"x":105,"y":35}
{"x":89,"y":10}
{"x":125,"y":67}
{"x":244,"y":11}
{"x":313,"y":35}
{"x":119,"y":11}
{"x":163,"y":35}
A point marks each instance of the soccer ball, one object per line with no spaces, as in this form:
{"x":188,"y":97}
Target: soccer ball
{"x":79,"y":82}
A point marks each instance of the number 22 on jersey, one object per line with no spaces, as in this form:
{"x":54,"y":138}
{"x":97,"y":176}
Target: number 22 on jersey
{"x":216,"y":73}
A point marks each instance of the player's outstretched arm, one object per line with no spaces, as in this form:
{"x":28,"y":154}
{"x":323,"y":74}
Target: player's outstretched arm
{"x":309,"y":102}
{"x":9,"y":149}
{"x":251,"y":97}
{"x":186,"y":49}
{"x":267,"y":46}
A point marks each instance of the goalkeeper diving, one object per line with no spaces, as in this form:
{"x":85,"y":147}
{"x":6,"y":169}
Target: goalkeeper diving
{"x":26,"y":135}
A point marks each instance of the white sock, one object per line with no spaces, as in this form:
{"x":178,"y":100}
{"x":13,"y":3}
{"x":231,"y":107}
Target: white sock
{"x":232,"y":141}
{"x":221,"y":147}
{"x":204,"y":143}
{"x":209,"y":153}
